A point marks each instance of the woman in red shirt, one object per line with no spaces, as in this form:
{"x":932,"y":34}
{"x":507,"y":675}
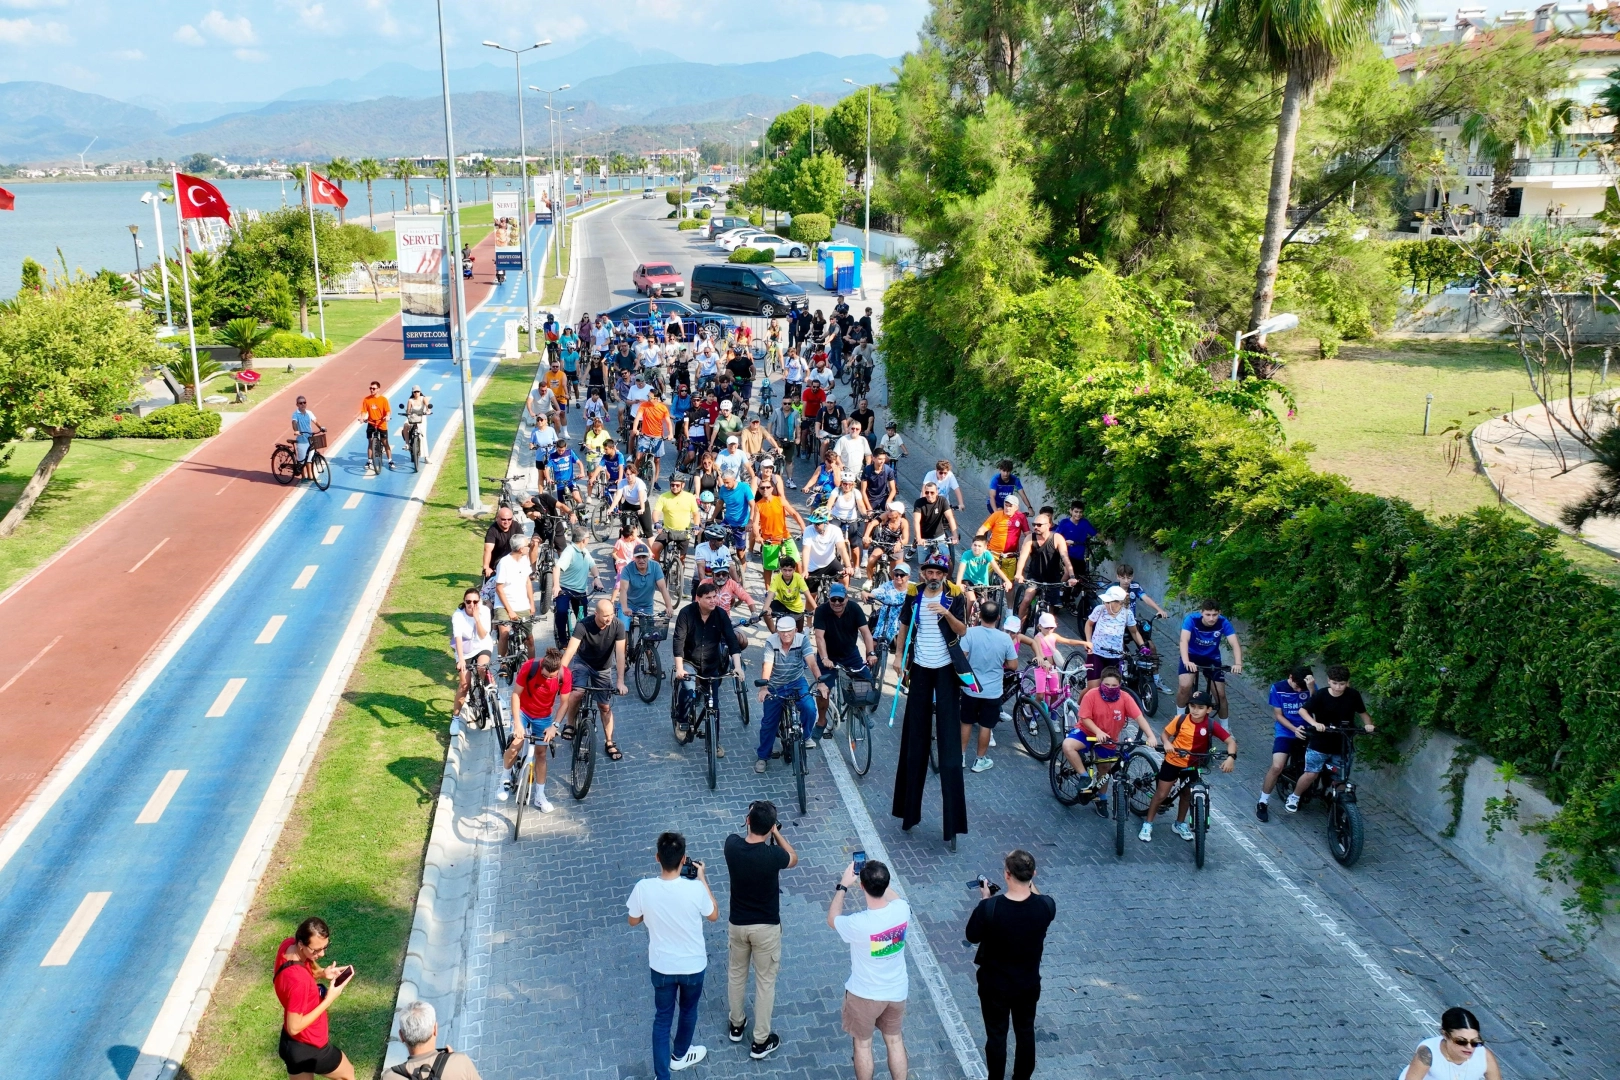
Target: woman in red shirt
{"x":305,"y":1048}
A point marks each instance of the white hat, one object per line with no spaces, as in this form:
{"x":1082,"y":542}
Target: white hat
{"x":1048,"y":620}
{"x":1011,"y":624}
{"x":785,"y":624}
{"x":731,"y":440}
{"x":725,"y":406}
{"x":1115,"y":594}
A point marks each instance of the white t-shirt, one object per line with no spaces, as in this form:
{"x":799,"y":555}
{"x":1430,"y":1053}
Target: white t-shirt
{"x":852,"y":451}
{"x":877,"y":951}
{"x":946,"y":483}
{"x":543,"y":401}
{"x":823,"y":376}
{"x":512,"y":574}
{"x":674,"y":912}
{"x":931,"y":650}
{"x":473,"y":634}
{"x":793,"y":368}
{"x":820,"y":547}
{"x":1108,"y":636}
{"x":632,"y":490}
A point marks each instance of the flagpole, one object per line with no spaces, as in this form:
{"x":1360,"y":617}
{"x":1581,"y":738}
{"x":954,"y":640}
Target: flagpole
{"x":475,"y":501}
{"x":185,"y":284}
{"x":315,"y":251}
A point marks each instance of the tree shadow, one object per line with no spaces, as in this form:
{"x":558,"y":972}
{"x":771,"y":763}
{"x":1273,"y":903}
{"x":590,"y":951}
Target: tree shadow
{"x":402,"y":710}
{"x":419,"y":623}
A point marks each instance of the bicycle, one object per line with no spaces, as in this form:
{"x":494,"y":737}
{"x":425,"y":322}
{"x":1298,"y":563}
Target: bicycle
{"x":544,"y":566}
{"x":1142,"y":771}
{"x":767,"y":396}
{"x":850,"y":701}
{"x":415,"y":442}
{"x":1346,"y":830}
{"x":519,"y":644}
{"x":642,"y":654}
{"x":284,"y":462}
{"x":1069,"y":789}
{"x":525,"y":784}
{"x":793,"y":736}
{"x":673,"y":560}
{"x":703,"y":718}
{"x":377,"y":448}
{"x":483,"y":698}
{"x":1032,"y":718}
{"x":1047,"y":596}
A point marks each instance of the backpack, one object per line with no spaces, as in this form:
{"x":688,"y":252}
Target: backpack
{"x":424,"y":1072}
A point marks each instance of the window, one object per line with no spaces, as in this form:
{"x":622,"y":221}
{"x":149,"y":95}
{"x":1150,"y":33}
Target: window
{"x":773,"y":276}
{"x":659,"y":270}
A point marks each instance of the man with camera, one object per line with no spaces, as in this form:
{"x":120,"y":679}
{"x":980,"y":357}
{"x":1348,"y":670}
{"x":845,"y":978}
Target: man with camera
{"x":875,"y":995}
{"x":755,"y":926}
{"x":1010,"y":930}
{"x":674,"y":905}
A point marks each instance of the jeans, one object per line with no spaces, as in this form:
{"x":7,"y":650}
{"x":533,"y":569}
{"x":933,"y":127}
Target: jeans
{"x":567,"y":600}
{"x":775,"y":702}
{"x":665,"y":989}
{"x":761,"y":944}
{"x":998,"y":1007}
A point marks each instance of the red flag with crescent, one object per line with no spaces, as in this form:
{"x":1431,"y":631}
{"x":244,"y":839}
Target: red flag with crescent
{"x":8,"y":201}
{"x":322,"y":192}
{"x":200,"y":199}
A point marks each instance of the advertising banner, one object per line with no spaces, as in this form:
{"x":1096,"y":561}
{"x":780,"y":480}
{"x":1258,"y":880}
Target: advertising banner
{"x":508,"y":221}
{"x":424,"y":286}
{"x":542,"y":200}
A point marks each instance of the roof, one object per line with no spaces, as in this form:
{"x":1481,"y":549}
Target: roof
{"x":1585,"y":44}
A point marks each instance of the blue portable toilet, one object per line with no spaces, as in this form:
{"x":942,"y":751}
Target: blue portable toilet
{"x":841,"y":267}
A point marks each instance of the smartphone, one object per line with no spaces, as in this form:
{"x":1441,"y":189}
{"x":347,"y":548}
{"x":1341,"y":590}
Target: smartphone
{"x":860,"y":860}
{"x":344,"y":976}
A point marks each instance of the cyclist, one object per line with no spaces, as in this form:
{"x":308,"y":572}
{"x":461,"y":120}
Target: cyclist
{"x":788,"y":591}
{"x":851,"y":447}
{"x":1078,"y":533}
{"x":767,"y":477}
{"x":878,"y":481}
{"x":680,"y":405}
{"x":537,"y":686}
{"x":639,"y":582}
{"x":1125,"y":574}
{"x":417,"y":408}
{"x":656,"y":429}
{"x":470,"y":643}
{"x":830,"y":421}
{"x":375,"y":410}
{"x":674,"y":515}
{"x":771,"y":513}
{"x":888,"y":533}
{"x":1187,"y":741}
{"x":1329,"y":714}
{"x":736,"y":511}
{"x":514,"y":590}
{"x":713,"y":551}
{"x":595,"y":408}
{"x":978,"y":567}
{"x":1043,"y":559}
{"x":732,"y":460}
{"x":542,"y":440}
{"x":609,"y":467}
{"x":1005,"y":530}
{"x":992,"y":655}
{"x":892,"y":443}
{"x":303,"y":426}
{"x":1289,"y":732}
{"x":1104,"y":711}
{"x":727,"y":425}
{"x":755,"y":440}
{"x":704,"y":637}
{"x":947,"y":483}
{"x":728,"y":591}
{"x":556,"y":381}
{"x":793,"y":374}
{"x":789,"y":657}
{"x":631,"y":500}
{"x":843,"y":640}
{"x":932,"y":518}
{"x":785,"y":429}
{"x":596,"y":642}
{"x":1201,"y":634}
{"x":577,"y":575}
{"x":568,"y":344}
{"x":1005,"y":484}
{"x":826,"y":552}
{"x":847,"y":507}
{"x":548,"y":516}
{"x":887,"y":600}
{"x":1105,"y":629}
{"x":566,"y":473}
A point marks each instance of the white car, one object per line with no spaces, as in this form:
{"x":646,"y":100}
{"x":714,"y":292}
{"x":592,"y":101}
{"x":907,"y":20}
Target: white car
{"x":649,"y":194}
{"x":700,"y":204}
{"x":783,"y":248}
{"x":731,"y":240}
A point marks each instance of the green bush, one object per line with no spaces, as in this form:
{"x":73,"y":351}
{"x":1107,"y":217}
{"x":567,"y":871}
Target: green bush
{"x":702,"y":214}
{"x":673,"y":198}
{"x":810,"y":228}
{"x":688,"y":225}
{"x":169,"y":422}
{"x":288,"y":345}
{"x":752,"y":255}
{"x":1477,"y":625}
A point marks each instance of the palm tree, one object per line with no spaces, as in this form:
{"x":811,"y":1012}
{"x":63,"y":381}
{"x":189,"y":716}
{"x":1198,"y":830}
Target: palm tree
{"x":245,"y":335}
{"x":298,"y":175}
{"x":441,"y":172}
{"x":487,"y":167}
{"x":340,"y":169}
{"x":1526,"y":126}
{"x":403,"y":170}
{"x":369,"y":170}
{"x":1304,"y":41}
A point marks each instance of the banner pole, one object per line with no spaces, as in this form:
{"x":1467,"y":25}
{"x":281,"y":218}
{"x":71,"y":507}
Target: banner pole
{"x":315,"y":251}
{"x":185,"y":283}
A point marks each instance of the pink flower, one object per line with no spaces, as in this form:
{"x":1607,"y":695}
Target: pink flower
{"x":1109,"y":420}
{"x":1292,"y":414}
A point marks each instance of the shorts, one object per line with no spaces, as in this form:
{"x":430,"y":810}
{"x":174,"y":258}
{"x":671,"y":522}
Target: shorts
{"x":1095,"y":664}
{"x":739,"y":536}
{"x":570,"y":488}
{"x":649,"y":445}
{"x":986,"y":712}
{"x":1316,"y":761}
{"x":585,"y":676}
{"x":1285,"y":744}
{"x":1100,"y":751}
{"x":770,"y":554}
{"x":535,"y":726}
{"x":300,"y":1057}
{"x":1215,"y":673}
{"x":1169,"y":774}
{"x":861,"y":1015}
{"x":502,"y":615}
{"x":487,"y":654}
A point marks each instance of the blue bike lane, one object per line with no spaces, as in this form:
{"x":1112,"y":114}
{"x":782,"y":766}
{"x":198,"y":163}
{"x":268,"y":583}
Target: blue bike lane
{"x":119,"y":902}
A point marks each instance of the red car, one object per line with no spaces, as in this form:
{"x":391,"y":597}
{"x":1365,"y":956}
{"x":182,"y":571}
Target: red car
{"x":658,"y":279}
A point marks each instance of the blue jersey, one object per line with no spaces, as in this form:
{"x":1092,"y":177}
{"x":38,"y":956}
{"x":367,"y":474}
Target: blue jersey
{"x":1078,"y":535}
{"x":1205,"y":642}
{"x":679,"y":406}
{"x":613,"y":463}
{"x":735,"y":502}
{"x":563,"y":465}
{"x":1286,"y":698}
{"x":1000,"y":489}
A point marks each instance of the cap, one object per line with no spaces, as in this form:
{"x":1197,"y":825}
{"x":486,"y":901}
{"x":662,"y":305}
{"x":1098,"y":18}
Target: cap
{"x":900,"y":568}
{"x":1115,"y":594}
{"x":1201,"y":698}
{"x":1048,"y":620}
{"x":731,"y":440}
{"x":1011,"y":500}
{"x":417,"y":389}
{"x":836,"y":591}
{"x":641,"y":549}
{"x":1011,"y":624}
{"x":785,"y":624}
{"x":767,"y":463}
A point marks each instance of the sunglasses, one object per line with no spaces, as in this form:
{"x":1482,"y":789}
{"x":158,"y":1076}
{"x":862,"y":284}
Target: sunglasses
{"x":1472,"y":1044}
{"x":835,"y":600}
{"x":466,"y":603}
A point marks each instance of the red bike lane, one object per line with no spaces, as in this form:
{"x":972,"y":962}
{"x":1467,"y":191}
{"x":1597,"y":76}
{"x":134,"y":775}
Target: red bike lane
{"x":73,"y":635}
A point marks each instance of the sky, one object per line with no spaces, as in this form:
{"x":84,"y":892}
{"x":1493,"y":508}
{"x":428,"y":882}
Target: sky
{"x":219,"y":50}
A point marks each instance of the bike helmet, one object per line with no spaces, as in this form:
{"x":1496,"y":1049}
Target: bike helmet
{"x":706,"y":497}
{"x":721,"y":570}
{"x":818,"y":519}
{"x":847,"y":477}
{"x":937,"y":560}
{"x":714,"y":533}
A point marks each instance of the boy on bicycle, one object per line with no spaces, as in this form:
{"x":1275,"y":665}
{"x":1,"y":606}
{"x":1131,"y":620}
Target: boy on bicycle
{"x":1104,"y":711}
{"x":1187,"y":741}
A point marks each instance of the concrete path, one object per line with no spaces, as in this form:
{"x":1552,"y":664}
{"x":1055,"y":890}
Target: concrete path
{"x":1536,"y":465}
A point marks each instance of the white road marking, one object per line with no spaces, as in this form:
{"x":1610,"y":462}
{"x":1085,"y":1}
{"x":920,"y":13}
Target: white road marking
{"x":159,"y":802}
{"x":24,"y":669}
{"x":148,"y":555}
{"x":67,"y":942}
{"x":226,"y":696}
{"x":353,"y":500}
{"x":225,"y":485}
{"x":332,"y":534}
{"x":435,"y":386}
{"x":304,"y":577}
{"x":271,"y":628}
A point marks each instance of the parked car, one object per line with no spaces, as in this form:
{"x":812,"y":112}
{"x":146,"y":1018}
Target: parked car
{"x":658,"y":279}
{"x":782,"y":247}
{"x":734,"y":239}
{"x":723,"y":223}
{"x":700,"y":204}
{"x":706,"y":189}
{"x":692,"y":319}
{"x":753,"y":290}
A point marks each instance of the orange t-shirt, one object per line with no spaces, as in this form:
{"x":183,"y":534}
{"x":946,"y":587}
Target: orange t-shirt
{"x":772,"y":519}
{"x":653,"y":415}
{"x":1192,"y":739}
{"x":558,"y":381}
{"x":376,"y":411}
{"x":1006,"y":531}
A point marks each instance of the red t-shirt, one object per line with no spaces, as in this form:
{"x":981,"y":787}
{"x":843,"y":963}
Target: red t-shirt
{"x":537,"y":695}
{"x":1109,"y":716}
{"x":813,"y":398}
{"x":298,"y":992}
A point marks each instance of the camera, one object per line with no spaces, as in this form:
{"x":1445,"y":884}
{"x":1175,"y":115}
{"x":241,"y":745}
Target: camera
{"x":689,"y":870}
{"x":981,"y":881}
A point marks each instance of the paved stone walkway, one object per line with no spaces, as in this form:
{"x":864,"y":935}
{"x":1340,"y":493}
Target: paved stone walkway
{"x":1536,"y":465}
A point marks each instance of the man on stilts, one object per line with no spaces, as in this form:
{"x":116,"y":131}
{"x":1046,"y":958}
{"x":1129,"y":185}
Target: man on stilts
{"x":932,"y":665}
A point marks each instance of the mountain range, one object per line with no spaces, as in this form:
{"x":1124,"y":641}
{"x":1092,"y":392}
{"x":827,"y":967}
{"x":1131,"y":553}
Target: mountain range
{"x":395,"y":109}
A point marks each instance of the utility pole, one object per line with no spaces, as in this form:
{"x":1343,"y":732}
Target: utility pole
{"x":523,"y":183}
{"x":475,"y":502}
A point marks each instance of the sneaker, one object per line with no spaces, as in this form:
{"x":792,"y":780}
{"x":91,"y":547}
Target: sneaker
{"x":984,"y":764}
{"x":763,"y":1050}
{"x":1146,"y":835}
{"x":390,"y":466}
{"x":507,"y":787}
{"x":759,"y":767}
{"x":1292,"y":806}
{"x":734,"y":1032}
{"x":1101,"y":806}
{"x":541,"y":803}
{"x":1262,"y":812}
{"x":693,"y":1056}
{"x":993,"y":734}
{"x":1184,"y":830}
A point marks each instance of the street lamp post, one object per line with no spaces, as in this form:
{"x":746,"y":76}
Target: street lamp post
{"x":553,"y":181}
{"x":163,"y":263}
{"x":523,"y":199}
{"x":812,"y":107}
{"x":475,"y":502}
{"x":1274,"y":325}
{"x":134,"y":236}
{"x":866,"y":182}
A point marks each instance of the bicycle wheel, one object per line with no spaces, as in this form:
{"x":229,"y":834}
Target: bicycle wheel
{"x":801,"y":768}
{"x":412,"y":445}
{"x":1033,"y":723}
{"x":525,"y":788}
{"x":1067,"y":786}
{"x":503,"y":737}
{"x":582,"y":767}
{"x":320,"y":470}
{"x":1345,"y":832}
{"x":859,"y":737}
{"x":1147,"y":692}
{"x":742,"y":702}
{"x":1200,"y":825}
{"x":649,"y":671}
{"x":282,"y":466}
{"x":1116,"y":797}
{"x":711,"y":724}
{"x":1141,"y":777}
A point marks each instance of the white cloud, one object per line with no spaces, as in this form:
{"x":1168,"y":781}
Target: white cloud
{"x":314,"y":17}
{"x":33,"y":5}
{"x":231,"y":31}
{"x":188,"y":35}
{"x":383,"y":20}
{"x":250,"y":56}
{"x":29,"y":32}
{"x":129,"y":54}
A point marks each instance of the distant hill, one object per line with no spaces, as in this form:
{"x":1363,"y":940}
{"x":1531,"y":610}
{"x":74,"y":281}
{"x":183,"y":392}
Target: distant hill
{"x":45,"y":121}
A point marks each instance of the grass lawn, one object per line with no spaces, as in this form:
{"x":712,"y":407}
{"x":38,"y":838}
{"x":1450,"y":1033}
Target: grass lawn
{"x":271,"y":379}
{"x":347,"y":321}
{"x":352,"y":851}
{"x":96,"y":476}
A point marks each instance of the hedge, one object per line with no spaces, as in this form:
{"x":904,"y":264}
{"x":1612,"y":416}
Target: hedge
{"x":810,"y":228}
{"x":688,"y":225}
{"x":169,"y":422}
{"x":752,"y":255}
{"x":1477,"y":625}
{"x":289,"y":345}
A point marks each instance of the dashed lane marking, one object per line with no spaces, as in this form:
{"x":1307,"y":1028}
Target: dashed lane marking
{"x":271,"y":628}
{"x":304,"y":577}
{"x":226,"y":696}
{"x":159,"y":802}
{"x":148,"y":555}
{"x":24,"y":669}
{"x":353,"y":500}
{"x":331,"y":534}
{"x":67,"y":942}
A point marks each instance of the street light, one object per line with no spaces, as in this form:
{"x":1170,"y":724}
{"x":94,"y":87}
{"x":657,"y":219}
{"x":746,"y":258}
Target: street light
{"x":553,"y":181}
{"x":866,"y":182}
{"x":475,"y":503}
{"x":1274,"y":325}
{"x":523,"y":199}
{"x":157,"y":224}
{"x":134,"y":230}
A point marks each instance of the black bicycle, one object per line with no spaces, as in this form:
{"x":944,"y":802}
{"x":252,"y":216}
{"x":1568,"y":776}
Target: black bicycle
{"x":1345,"y":828}
{"x":582,"y":765}
{"x":1032,"y":718}
{"x":646,"y":632}
{"x":377,"y":448}
{"x":519,"y":644}
{"x":285,"y":468}
{"x":792,"y":735}
{"x":1142,"y":772}
{"x":850,"y":701}
{"x":702,"y":719}
{"x":414,"y":438}
{"x":673,"y":559}
{"x":484,"y":699}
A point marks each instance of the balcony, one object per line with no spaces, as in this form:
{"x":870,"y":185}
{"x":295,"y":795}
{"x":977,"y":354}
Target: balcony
{"x":1534,"y":168}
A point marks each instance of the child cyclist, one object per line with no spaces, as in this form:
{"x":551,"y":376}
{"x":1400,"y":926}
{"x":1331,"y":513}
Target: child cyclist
{"x":1187,"y":742}
{"x":1104,"y":711}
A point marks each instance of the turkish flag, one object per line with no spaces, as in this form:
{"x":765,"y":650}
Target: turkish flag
{"x":322,"y":192}
{"x":8,"y":201}
{"x":200,"y":199}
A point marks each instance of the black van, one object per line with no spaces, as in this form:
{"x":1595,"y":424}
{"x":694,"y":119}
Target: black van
{"x":752,"y":290}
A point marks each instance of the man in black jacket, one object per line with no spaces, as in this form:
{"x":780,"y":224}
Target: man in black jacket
{"x":1010,"y":930}
{"x":704,"y":638}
